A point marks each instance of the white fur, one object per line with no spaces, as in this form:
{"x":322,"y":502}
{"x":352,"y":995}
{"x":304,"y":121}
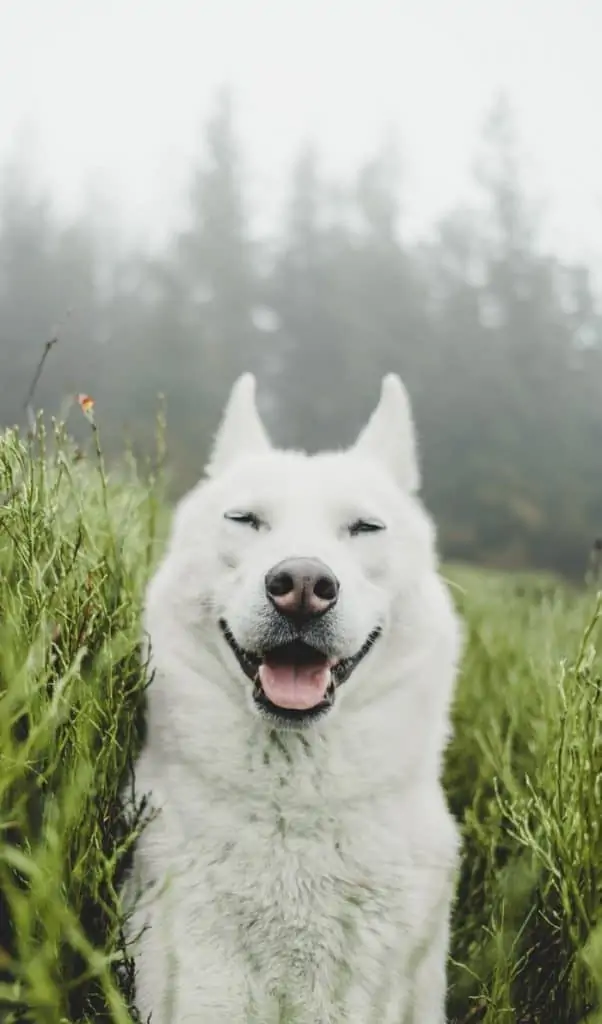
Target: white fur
{"x":298,"y":876}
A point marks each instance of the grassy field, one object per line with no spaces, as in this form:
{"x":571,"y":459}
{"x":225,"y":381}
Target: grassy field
{"x":524,"y":773}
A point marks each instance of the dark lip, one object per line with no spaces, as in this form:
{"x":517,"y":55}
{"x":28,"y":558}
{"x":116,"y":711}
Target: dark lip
{"x":250,"y":661}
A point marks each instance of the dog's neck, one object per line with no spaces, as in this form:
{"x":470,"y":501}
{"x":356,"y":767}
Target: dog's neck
{"x":227,"y":752}
{"x":382,"y":735}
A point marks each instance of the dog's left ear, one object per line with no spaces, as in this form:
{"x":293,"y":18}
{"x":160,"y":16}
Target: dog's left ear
{"x":389,"y":436}
{"x":241,"y":431}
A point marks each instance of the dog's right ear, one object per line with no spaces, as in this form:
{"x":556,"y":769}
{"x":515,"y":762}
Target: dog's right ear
{"x":241,"y":431}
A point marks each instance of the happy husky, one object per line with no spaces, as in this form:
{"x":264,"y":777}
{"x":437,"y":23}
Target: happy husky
{"x":301,"y":865}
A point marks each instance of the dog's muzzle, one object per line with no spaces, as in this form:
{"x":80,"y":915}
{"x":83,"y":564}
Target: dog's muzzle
{"x":295,"y":682}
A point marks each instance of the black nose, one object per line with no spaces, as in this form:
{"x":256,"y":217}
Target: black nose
{"x":302,"y":588}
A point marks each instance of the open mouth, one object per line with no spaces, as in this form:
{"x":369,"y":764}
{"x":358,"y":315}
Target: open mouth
{"x":295,"y":682}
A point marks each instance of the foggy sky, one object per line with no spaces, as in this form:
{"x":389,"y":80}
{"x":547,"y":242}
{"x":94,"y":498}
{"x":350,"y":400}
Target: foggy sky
{"x":110,"y":95}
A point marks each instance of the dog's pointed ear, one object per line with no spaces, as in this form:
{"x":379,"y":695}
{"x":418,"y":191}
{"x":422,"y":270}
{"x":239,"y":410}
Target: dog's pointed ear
{"x":389,"y":436}
{"x":241,"y":431}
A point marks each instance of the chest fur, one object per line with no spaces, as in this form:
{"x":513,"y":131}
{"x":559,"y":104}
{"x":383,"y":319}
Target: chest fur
{"x":295,"y":874}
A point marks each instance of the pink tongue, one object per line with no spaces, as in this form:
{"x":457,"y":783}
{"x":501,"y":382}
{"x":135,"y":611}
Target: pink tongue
{"x":296,"y":688}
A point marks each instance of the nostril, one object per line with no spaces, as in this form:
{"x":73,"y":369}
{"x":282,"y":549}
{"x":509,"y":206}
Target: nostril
{"x":301,"y":588}
{"x":326,"y":588}
{"x":280,"y":585}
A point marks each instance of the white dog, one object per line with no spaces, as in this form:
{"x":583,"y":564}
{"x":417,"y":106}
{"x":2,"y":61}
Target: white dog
{"x":301,"y":866}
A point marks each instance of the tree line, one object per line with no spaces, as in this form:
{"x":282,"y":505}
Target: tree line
{"x":498,"y":339}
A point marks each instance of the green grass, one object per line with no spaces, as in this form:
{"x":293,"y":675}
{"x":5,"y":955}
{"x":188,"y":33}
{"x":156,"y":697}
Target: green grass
{"x":524,"y":773}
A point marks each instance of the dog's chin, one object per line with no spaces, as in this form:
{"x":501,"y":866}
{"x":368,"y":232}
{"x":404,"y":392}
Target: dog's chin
{"x":295,"y":684}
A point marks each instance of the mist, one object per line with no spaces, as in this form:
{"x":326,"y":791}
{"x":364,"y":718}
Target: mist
{"x":320,"y":283}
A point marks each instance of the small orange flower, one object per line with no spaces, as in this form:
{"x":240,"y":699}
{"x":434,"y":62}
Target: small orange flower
{"x":86,"y":405}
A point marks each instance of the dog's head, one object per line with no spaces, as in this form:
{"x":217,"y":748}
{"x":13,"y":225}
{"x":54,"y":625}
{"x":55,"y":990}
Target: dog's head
{"x":298,"y":572}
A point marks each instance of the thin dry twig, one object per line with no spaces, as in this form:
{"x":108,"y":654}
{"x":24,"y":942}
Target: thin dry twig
{"x":27,"y":405}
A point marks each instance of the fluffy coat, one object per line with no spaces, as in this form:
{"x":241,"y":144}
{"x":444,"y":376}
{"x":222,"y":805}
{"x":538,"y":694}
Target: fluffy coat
{"x":298,"y":874}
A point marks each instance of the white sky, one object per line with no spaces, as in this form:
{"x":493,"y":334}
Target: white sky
{"x":115,"y":92}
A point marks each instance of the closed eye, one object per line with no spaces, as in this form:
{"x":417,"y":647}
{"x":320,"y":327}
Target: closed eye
{"x":244,"y":518}
{"x":366,"y":526}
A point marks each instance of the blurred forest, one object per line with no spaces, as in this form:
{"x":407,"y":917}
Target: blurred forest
{"x":498,"y":340}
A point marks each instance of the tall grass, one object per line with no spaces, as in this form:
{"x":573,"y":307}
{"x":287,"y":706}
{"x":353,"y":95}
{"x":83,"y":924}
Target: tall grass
{"x":524,"y":776}
{"x":523,"y":773}
{"x":75,"y":551}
